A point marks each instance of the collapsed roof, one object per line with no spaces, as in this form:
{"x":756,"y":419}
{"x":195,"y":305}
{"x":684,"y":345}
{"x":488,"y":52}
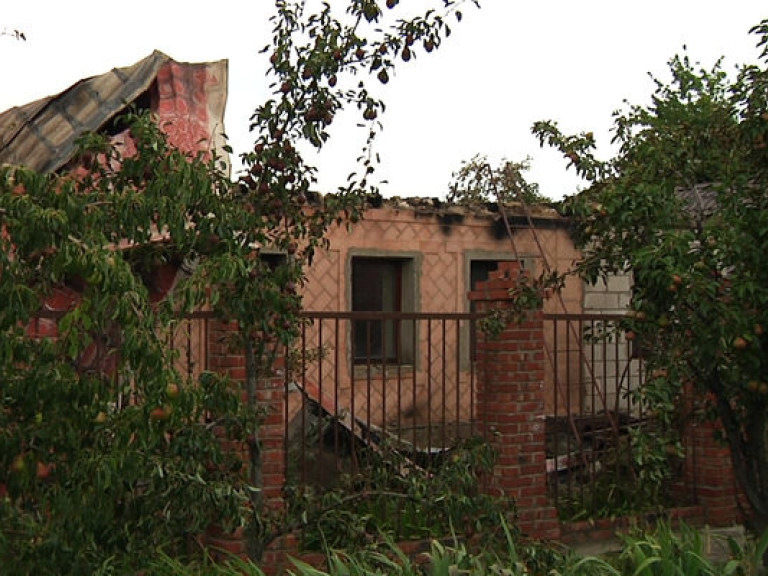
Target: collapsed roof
{"x":42,"y":135}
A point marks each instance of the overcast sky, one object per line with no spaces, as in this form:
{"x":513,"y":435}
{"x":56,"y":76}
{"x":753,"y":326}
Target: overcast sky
{"x":506,"y":66}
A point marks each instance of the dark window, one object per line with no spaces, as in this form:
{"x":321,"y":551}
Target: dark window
{"x":273,"y":259}
{"x":381,"y":285}
{"x":480,"y":270}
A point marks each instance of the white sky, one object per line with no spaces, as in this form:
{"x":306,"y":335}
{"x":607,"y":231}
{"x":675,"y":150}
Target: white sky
{"x":507,"y":65}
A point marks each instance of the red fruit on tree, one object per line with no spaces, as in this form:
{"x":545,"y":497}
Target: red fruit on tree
{"x":42,"y":470}
{"x":160,"y":414}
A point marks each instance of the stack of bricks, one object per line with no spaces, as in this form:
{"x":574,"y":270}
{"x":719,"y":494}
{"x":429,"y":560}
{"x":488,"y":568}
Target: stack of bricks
{"x":511,"y":405}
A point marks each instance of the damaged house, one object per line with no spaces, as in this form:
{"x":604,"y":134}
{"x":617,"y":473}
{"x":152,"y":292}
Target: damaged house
{"x":387,"y":349}
{"x":188,"y":102}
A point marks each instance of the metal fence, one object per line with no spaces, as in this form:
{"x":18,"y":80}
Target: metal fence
{"x":359,"y":383}
{"x":596,"y":376}
{"x":364,"y":381}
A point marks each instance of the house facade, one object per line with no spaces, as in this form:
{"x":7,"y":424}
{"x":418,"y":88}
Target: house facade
{"x":437,"y":252}
{"x":410,"y":265}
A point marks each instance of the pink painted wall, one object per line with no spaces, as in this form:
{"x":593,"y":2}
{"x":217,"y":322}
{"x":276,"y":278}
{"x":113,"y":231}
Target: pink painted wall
{"x":441,"y":245}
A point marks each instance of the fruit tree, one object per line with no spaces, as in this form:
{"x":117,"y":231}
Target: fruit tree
{"x":684,"y":207}
{"x":104,"y":465}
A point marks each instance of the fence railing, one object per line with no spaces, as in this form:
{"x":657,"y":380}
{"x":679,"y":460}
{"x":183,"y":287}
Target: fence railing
{"x":359,"y":382}
{"x":595,"y":378}
{"x":364,"y":380}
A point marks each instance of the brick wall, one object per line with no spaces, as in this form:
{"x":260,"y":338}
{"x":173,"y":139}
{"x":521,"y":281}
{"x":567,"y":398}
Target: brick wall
{"x":269,"y":399}
{"x":709,"y":473}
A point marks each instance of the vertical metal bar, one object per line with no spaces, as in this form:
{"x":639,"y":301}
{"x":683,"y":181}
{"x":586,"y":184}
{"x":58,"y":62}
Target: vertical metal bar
{"x":619,"y":371}
{"x":429,"y":387}
{"x":352,"y":392}
{"x":444,"y":368}
{"x":555,"y":478}
{"x":398,"y":520}
{"x":567,"y":414}
{"x":458,"y":418}
{"x":384,"y":375}
{"x":303,"y":442}
{"x":604,"y":352}
{"x":369,"y":379}
{"x":286,"y":416}
{"x":616,"y":431}
{"x":601,"y":397}
{"x":414,"y":396}
{"x":472,"y":357}
{"x":336,"y":364}
{"x":399,"y":395}
{"x":320,"y":388}
{"x":190,"y":361}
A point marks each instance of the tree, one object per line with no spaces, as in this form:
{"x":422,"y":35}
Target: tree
{"x":17,"y":34}
{"x":683,"y":208}
{"x":477,"y":183}
{"x":104,"y":464}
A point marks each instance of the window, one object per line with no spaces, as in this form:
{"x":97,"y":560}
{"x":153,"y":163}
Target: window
{"x":382,"y":285}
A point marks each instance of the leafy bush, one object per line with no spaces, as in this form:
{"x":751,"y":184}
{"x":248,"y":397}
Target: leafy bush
{"x":392,"y":495}
{"x":659,"y":552}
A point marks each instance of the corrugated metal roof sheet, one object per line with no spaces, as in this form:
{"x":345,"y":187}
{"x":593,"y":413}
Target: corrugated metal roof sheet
{"x":42,"y":135}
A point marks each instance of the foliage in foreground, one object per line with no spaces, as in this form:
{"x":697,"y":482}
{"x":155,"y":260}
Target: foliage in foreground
{"x":659,"y":552}
{"x":108,"y":453}
{"x":392,"y":496}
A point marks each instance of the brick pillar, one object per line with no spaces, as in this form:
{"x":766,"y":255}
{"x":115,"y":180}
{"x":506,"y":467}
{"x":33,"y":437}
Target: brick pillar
{"x":511,"y":405}
{"x":271,"y":398}
{"x":270,"y":401}
{"x":709,"y":472}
